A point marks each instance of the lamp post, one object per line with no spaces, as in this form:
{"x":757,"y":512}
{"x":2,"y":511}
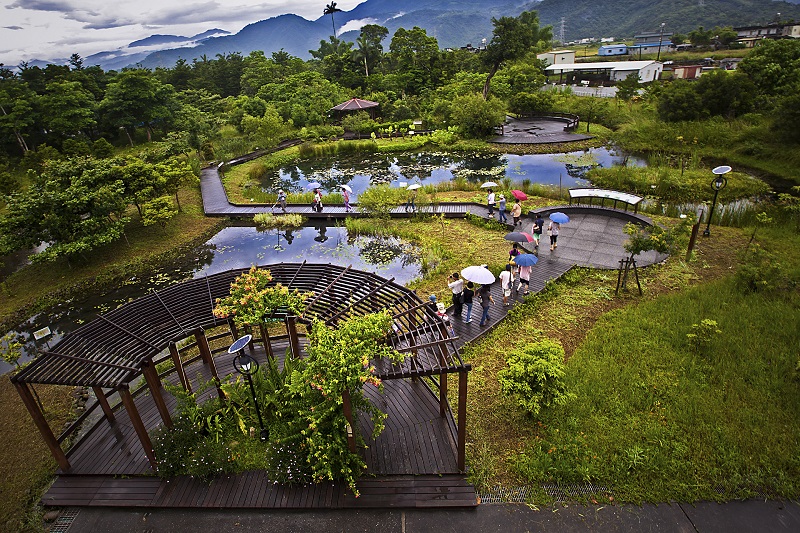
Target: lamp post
{"x":718,"y":184}
{"x":660,"y":40}
{"x":247,"y":366}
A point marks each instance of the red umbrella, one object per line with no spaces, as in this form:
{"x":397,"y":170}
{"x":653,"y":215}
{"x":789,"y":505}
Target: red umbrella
{"x":519,"y":195}
{"x":519,"y":236}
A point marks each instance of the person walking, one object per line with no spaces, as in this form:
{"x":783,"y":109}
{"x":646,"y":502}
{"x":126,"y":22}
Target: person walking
{"x":553,"y":230}
{"x":516,"y":212}
{"x":524,"y":279}
{"x":346,"y":196}
{"x":505,"y":283}
{"x":490,"y":203}
{"x":485,"y":293}
{"x":457,"y":288}
{"x":538,"y":227}
{"x":317,"y":200}
{"x":501,"y":211}
{"x":410,"y":206}
{"x":469,"y":294}
{"x":282,"y":199}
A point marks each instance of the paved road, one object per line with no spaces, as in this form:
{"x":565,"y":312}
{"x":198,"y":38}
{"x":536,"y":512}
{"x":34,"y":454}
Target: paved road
{"x":734,"y":517}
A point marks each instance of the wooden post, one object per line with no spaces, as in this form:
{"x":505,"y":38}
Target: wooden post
{"x":138,"y":425}
{"x":208,"y":358}
{"x":442,"y":394}
{"x":234,"y":330}
{"x":176,"y":360}
{"x":249,"y":331}
{"x":692,"y":240}
{"x":265,"y":340}
{"x":151,"y":376}
{"x":41,"y":423}
{"x":348,"y":414}
{"x":294,"y":340}
{"x":103,"y":401}
{"x":462,"y":420}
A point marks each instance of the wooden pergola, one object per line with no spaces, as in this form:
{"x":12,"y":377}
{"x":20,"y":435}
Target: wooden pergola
{"x":113,"y":351}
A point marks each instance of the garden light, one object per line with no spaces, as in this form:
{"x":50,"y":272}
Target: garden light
{"x":718,"y":184}
{"x":247,"y":366}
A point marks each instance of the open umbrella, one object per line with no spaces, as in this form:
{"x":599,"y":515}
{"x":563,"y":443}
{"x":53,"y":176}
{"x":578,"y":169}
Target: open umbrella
{"x":314,"y":185}
{"x":519,"y":195}
{"x":413,"y":187}
{"x":488,"y":184}
{"x":526,"y":260}
{"x":478,"y":274}
{"x":519,"y":236}
{"x":559,"y":218}
{"x":346,"y":187}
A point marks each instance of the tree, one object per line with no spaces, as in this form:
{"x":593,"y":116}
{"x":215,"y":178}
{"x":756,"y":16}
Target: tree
{"x":68,"y":109}
{"x":330,"y":9}
{"x":414,"y":56}
{"x":701,"y":37}
{"x":158,"y":211}
{"x":136,"y":97}
{"x":267,"y":130}
{"x":476,"y":117}
{"x":774,"y":66}
{"x":727,"y":94}
{"x":16,"y":110}
{"x":628,"y":88}
{"x":512,"y":38}
{"x":176,"y":173}
{"x":369,"y":47}
{"x":679,"y":102}
{"x":787,"y":116}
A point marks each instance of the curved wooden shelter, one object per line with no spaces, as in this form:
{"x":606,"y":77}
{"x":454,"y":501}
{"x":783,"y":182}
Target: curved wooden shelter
{"x":112,"y":354}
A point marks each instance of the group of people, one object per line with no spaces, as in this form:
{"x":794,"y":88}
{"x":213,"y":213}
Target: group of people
{"x":316,"y":203}
{"x":464,"y":295}
{"x":499,"y":201}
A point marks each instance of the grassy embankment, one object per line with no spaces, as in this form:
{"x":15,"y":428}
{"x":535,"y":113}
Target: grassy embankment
{"x":27,"y":465}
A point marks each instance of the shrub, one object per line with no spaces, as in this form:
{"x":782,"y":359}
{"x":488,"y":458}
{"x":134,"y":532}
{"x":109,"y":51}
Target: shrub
{"x":269,"y":220}
{"x":535,"y":375}
{"x":760,"y":271}
{"x":703,"y":334}
{"x":379,"y":201}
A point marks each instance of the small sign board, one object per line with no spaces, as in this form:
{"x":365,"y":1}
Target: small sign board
{"x":39,"y":334}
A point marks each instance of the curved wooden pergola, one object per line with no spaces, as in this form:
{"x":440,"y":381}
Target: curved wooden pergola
{"x":120,"y":347}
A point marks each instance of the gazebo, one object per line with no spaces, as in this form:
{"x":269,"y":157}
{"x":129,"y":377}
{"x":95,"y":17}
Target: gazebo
{"x":354,"y":105}
{"x":117,"y":354}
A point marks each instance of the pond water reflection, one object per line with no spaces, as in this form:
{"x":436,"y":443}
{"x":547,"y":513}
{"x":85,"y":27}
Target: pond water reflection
{"x":236,"y":247}
{"x":363,"y":170}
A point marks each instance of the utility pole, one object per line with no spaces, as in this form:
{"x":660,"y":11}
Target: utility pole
{"x":660,"y":40}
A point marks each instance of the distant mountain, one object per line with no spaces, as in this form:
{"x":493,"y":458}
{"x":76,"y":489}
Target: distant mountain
{"x":454,"y":23}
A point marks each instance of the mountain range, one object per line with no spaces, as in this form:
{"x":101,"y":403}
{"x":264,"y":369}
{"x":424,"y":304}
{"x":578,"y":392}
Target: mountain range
{"x":454,"y":23}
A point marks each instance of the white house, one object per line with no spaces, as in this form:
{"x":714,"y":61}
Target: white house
{"x":610,"y":70}
{"x":556,"y":57}
{"x":613,"y":50}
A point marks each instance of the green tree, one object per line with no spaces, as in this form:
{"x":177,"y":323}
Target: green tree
{"x":628,"y":88}
{"x":267,"y":130}
{"x":476,"y":117}
{"x":726,"y":94}
{"x":368,"y":45}
{"x":17,"y":116}
{"x":158,"y":211}
{"x":136,"y":97}
{"x":701,"y":37}
{"x":330,"y":9}
{"x":679,"y":101}
{"x":512,"y":38}
{"x":68,"y":109}
{"x":414,"y":58}
{"x":787,"y":116}
{"x":535,"y":376}
{"x":774,"y":66}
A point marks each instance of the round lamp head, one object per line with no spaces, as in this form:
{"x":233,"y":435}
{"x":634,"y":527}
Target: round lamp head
{"x":240,"y":343}
{"x":724,"y":169}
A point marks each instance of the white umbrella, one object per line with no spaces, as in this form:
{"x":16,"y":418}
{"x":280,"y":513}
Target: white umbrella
{"x":346,"y":187}
{"x":488,"y":184}
{"x":478,"y":274}
{"x":414,"y":186}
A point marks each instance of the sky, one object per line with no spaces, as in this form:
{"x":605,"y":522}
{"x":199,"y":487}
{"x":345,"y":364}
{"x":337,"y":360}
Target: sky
{"x":50,"y":29}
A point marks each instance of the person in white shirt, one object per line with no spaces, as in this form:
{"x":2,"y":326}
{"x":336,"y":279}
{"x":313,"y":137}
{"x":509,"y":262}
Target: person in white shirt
{"x":490,"y":203}
{"x":456,"y":285}
{"x":505,"y":283}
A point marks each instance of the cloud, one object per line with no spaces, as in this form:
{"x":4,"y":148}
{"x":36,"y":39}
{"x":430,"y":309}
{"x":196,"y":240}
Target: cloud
{"x":13,"y":27}
{"x":357,"y":24}
{"x":35,"y":5}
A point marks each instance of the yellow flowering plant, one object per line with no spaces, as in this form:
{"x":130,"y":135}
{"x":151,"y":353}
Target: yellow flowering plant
{"x":254,"y":297}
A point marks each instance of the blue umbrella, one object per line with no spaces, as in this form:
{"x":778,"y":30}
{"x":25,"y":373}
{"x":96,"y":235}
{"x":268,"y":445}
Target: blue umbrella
{"x":559,"y":218}
{"x":525,"y":260}
{"x":314,"y":185}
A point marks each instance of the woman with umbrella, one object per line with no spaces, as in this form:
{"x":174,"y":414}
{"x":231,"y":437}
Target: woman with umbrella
{"x":346,"y":190}
{"x":525,"y":262}
{"x":556,"y":219}
{"x":318,"y":200}
{"x":490,"y":203}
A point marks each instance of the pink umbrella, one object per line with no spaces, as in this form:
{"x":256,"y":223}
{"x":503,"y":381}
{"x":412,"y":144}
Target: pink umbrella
{"x":519,"y":195}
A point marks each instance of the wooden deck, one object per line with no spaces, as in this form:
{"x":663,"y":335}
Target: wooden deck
{"x":411,"y":464}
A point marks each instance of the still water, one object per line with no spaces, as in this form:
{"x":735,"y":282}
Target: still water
{"x":236,"y":247}
{"x":361,"y":171}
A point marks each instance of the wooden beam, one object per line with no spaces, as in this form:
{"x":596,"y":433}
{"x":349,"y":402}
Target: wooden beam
{"x":41,"y":423}
{"x":103,"y":401}
{"x":294,"y":340}
{"x":265,"y":340}
{"x":348,"y":414}
{"x":176,"y":360}
{"x":208,"y":358}
{"x":462,"y":421}
{"x":138,"y":425}
{"x":151,"y":376}
{"x":442,"y":394}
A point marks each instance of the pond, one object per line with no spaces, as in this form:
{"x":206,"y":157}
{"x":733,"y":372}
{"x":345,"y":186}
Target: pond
{"x":236,"y":247}
{"x":361,"y":171}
